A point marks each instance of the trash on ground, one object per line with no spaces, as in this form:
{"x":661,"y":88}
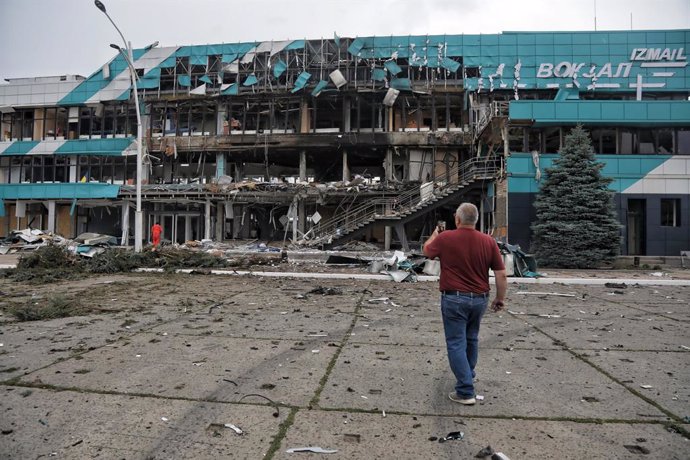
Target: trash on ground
{"x":499,"y":456}
{"x":165,"y":419}
{"x":646,"y":387}
{"x":452,"y":436}
{"x":558,"y":294}
{"x":479,"y":398}
{"x":380,"y":299}
{"x":616,"y":285}
{"x":314,"y":449}
{"x":234,"y":428}
{"x":485,"y":452}
{"x":401,"y":275}
{"x":326,"y":291}
{"x":635,"y":449}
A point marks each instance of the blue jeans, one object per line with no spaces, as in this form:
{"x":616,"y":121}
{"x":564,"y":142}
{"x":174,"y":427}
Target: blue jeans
{"x":461,"y":317}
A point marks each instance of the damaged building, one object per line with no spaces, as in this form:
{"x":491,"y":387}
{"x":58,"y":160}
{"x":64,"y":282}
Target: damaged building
{"x":371,"y":138}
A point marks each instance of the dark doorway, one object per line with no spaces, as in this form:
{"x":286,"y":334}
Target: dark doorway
{"x":636,"y":220}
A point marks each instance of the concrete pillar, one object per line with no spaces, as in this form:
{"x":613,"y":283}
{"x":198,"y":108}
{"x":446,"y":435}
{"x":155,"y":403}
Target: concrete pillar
{"x":388,"y":165}
{"x":346,"y":167}
{"x":207,"y":226}
{"x":125,"y":224}
{"x":51,"y":216}
{"x":388,"y":236}
{"x":220,"y":221}
{"x":220,"y":164}
{"x":187,"y":228}
{"x":302,"y":216}
{"x":305,"y":117}
{"x":303,"y":165}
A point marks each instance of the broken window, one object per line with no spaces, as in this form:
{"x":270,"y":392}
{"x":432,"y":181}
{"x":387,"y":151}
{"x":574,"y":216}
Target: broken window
{"x":683,"y":141}
{"x":647,"y":141}
{"x":665,"y":141}
{"x":670,"y":212}
{"x":604,"y":140}
{"x":472,"y":72}
{"x":628,"y":141}
{"x":552,"y":140}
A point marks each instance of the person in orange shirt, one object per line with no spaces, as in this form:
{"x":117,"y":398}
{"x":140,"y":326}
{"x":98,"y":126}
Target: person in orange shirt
{"x":156,"y":232}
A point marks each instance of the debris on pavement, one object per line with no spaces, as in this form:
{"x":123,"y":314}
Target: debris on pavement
{"x":453,"y":435}
{"x":326,"y":291}
{"x":557,"y":294}
{"x":616,"y":285}
{"x":485,"y":452}
{"x":646,"y":387}
{"x":314,"y":449}
{"x":234,"y":428}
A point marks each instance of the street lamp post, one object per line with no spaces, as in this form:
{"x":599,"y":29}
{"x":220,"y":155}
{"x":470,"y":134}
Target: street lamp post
{"x":129,"y":57}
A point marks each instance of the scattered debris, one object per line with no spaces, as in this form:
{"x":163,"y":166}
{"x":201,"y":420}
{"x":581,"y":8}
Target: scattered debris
{"x":234,"y":428}
{"x":635,"y":449}
{"x":485,"y":452}
{"x":380,"y":299}
{"x":165,"y":419}
{"x":314,"y":449}
{"x":616,"y":285}
{"x":453,"y":435}
{"x":479,"y":398}
{"x":646,"y":387}
{"x":326,"y":291}
{"x":558,"y":294}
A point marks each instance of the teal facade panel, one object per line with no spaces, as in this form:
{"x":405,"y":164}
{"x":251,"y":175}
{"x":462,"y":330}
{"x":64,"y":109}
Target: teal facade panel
{"x":625,"y":170}
{"x":96,"y":147}
{"x":20,"y":148}
{"x":58,"y":191}
{"x":622,"y":113}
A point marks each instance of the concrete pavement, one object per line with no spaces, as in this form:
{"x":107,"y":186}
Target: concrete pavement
{"x":163,"y":362}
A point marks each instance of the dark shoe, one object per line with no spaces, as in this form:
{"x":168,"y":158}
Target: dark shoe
{"x":467,"y":402}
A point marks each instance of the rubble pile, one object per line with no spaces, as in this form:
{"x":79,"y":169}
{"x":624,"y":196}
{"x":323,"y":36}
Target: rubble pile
{"x":55,"y":262}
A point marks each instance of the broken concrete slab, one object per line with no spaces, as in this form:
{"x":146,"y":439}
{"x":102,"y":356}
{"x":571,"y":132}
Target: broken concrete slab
{"x":69,"y":424}
{"x":194,"y":367}
{"x":368,"y":435}
{"x":413,"y":378}
{"x":667,"y":373}
{"x":638,"y":332}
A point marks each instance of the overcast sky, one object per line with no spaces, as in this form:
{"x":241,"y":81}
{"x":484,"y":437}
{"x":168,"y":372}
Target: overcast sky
{"x":56,"y":37}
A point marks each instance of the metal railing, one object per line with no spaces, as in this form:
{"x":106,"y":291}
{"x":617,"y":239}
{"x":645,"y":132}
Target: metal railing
{"x":392,"y":208}
{"x":483,"y":114}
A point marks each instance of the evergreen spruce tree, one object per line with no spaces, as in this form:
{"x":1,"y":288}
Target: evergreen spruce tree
{"x":576,"y":224}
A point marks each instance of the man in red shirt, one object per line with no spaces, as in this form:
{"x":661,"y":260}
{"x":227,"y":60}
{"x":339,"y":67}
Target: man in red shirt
{"x":156,"y":231}
{"x":466,"y":257}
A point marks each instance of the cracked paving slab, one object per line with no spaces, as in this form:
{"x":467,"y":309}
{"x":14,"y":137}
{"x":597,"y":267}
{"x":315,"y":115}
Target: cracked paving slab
{"x":361,"y":435}
{"x":199,"y":367}
{"x":668,"y":374}
{"x":514,"y":383}
{"x":68,"y":424}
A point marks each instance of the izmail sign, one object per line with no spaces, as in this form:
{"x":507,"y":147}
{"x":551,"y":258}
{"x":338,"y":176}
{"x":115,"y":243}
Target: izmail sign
{"x":649,"y":57}
{"x":618,"y":61}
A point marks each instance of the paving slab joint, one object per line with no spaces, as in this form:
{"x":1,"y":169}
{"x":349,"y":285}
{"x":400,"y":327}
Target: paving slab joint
{"x":314,"y":403}
{"x":282,"y":432}
{"x":580,"y":357}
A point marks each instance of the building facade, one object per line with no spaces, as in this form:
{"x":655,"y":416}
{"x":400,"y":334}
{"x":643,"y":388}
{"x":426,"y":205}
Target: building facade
{"x":376,"y":138}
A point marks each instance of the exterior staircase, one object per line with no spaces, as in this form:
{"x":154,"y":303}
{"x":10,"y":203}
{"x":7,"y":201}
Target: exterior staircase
{"x":405,"y":207}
